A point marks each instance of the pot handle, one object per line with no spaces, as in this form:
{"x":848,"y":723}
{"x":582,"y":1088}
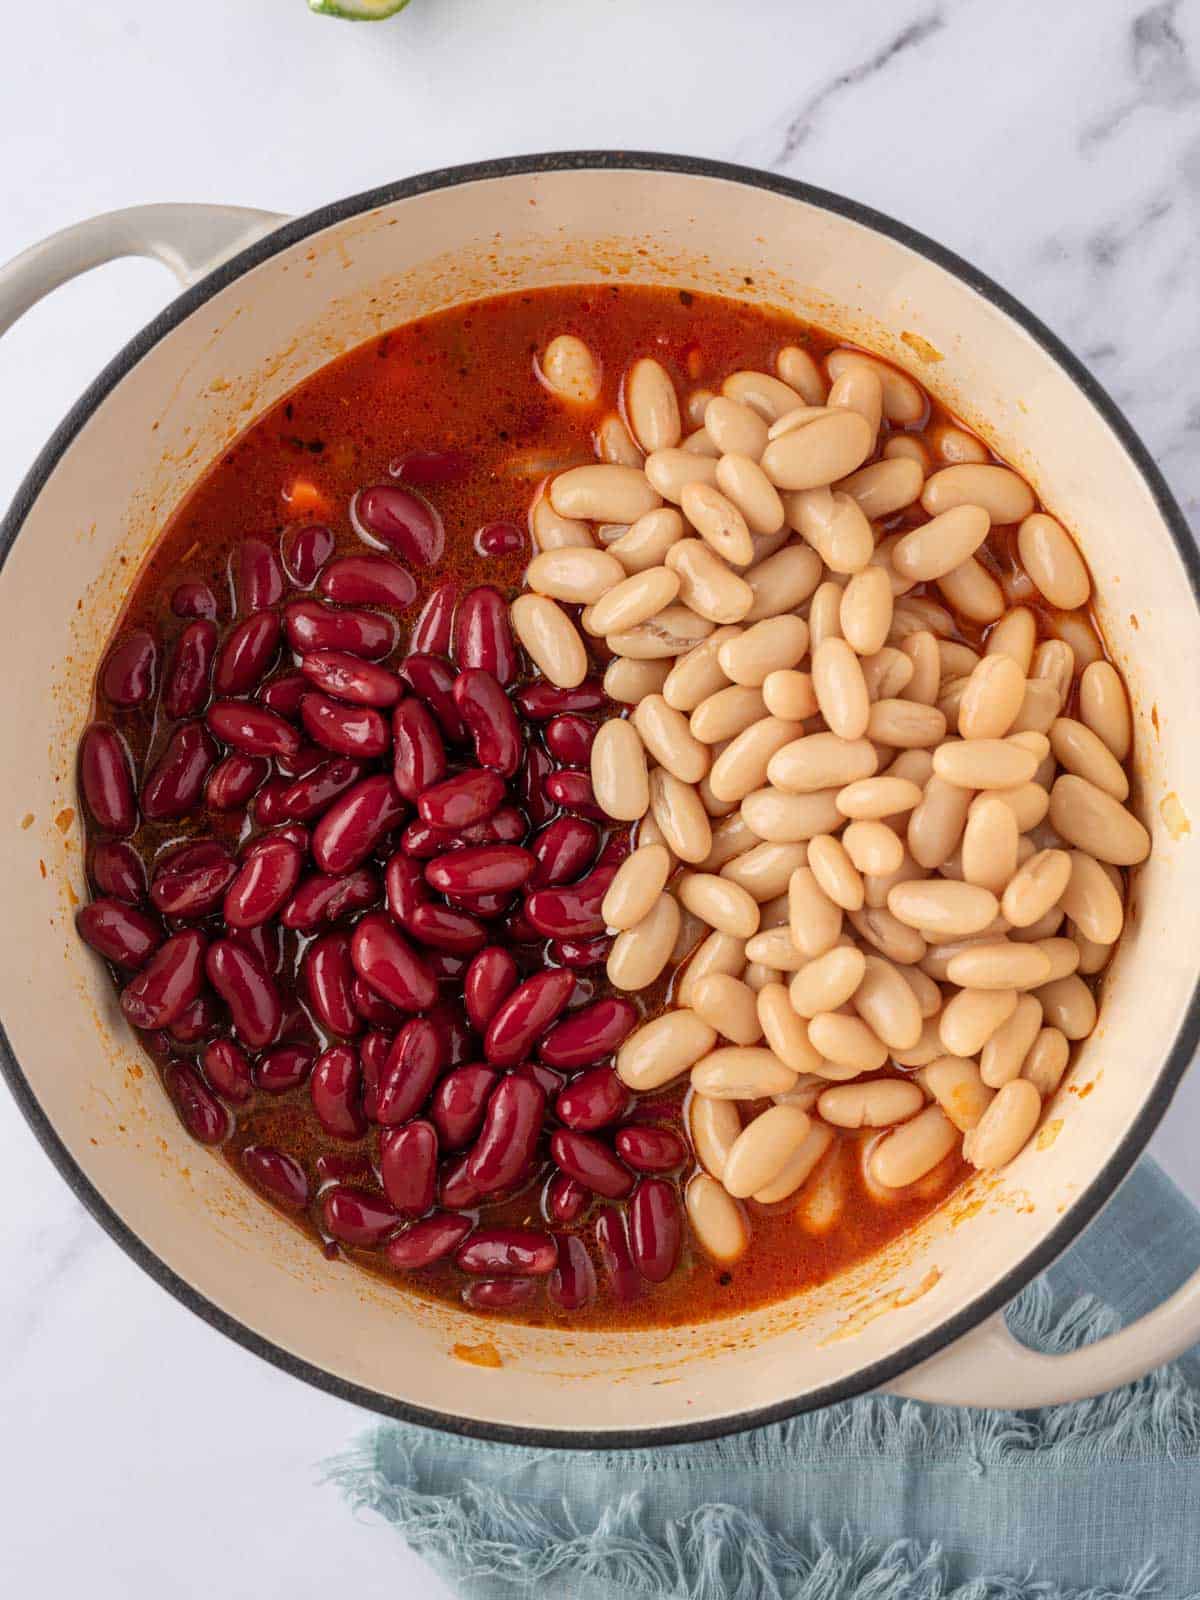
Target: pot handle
{"x":989,"y":1367}
{"x":189,"y":239}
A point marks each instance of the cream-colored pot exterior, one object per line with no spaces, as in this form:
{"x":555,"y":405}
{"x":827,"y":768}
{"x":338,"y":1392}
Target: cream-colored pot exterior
{"x":247,"y":334}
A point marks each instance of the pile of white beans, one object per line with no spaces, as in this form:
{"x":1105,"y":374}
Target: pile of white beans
{"x":897,"y":852}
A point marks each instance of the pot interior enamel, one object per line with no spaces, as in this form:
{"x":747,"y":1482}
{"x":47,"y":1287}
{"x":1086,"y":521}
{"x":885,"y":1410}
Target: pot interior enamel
{"x":61,"y":588}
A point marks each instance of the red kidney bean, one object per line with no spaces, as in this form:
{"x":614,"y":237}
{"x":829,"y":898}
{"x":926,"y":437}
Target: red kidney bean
{"x":305,"y":552}
{"x":337,"y":1166}
{"x":509,"y":1134}
{"x":368,"y":581}
{"x":571,"y":911}
{"x":499,"y":1294}
{"x":484,"y":869}
{"x":531,"y":779}
{"x":615,"y":1255}
{"x":564,"y":1199}
{"x":396,"y":519}
{"x":572,"y":1284}
{"x":252,"y":729}
{"x":430,"y":468}
{"x":264,"y":882}
{"x":459,"y":1102}
{"x":313,"y":626}
{"x":278,"y":1175}
{"x":490,"y":979}
{"x":372,"y":1055}
{"x":525,"y":1015}
{"x":307,"y":797}
{"x":460,"y":802}
{"x":404,"y":886}
{"x":194,"y":600}
{"x":120,"y":933}
{"x":580,"y":954}
{"x":573,"y":792}
{"x":656,"y":1228}
{"x":128,"y":675}
{"x":335,"y":1089}
{"x":431,"y":679}
{"x":260,"y":577}
{"x":507,"y":1252}
{"x":434,"y":628}
{"x":490,"y":719}
{"x":569,"y":739}
{"x":408,"y":1166}
{"x":447,"y":930}
{"x":542,"y":700}
{"x":247,"y":988}
{"x":190,"y":880}
{"x":349,"y":730}
{"x":455,"y":1188}
{"x":589,"y":1035}
{"x":267,"y":806}
{"x":117,"y":871}
{"x":417,"y":1056}
{"x":428,"y":1241}
{"x":286,"y":1067}
{"x":355,"y":823}
{"x":386,"y":961}
{"x":499,"y":539}
{"x":483,"y":636}
{"x":328,"y":981}
{"x":106,"y":779}
{"x":265,"y":941}
{"x":592,"y":1162}
{"x":201,"y":1113}
{"x":247,"y":652}
{"x":563,"y":850}
{"x":186,"y":687}
{"x":356,"y":1217}
{"x":419,"y":753}
{"x":593,"y":1100}
{"x":168,"y":984}
{"x":227,"y":1069}
{"x":345,"y":677}
{"x":232,"y":781}
{"x":651,"y":1149}
{"x":197,"y":1021}
{"x":283,"y":694}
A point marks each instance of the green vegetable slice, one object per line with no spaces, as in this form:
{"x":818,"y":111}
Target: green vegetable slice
{"x":357,"y":10}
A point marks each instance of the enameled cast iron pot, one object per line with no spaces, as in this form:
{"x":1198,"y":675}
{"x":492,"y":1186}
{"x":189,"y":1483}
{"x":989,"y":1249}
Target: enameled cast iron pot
{"x":922,"y":1318}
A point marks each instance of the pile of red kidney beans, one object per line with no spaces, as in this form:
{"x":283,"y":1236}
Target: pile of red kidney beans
{"x":374,"y":867}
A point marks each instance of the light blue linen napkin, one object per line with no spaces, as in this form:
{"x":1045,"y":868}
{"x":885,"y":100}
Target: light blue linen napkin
{"x":875,"y":1499}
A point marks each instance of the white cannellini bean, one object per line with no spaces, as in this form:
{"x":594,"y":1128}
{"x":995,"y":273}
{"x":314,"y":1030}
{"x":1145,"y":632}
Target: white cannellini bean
{"x":1005,"y":1126}
{"x":570,"y":370}
{"x":619,"y":776}
{"x":603,"y":493}
{"x":652,"y":406}
{"x":763,"y":1148}
{"x":717,"y":1220}
{"x":714,"y":1125}
{"x":551,"y":639}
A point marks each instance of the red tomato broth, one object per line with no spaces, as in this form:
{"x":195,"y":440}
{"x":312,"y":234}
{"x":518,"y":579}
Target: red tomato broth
{"x":464,"y":382}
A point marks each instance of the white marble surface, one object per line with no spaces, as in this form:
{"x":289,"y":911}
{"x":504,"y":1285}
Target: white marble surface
{"x":1056,"y":146}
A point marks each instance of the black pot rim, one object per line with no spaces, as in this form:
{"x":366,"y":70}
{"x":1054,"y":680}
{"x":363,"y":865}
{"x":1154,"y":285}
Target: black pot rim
{"x":1087,"y":1204}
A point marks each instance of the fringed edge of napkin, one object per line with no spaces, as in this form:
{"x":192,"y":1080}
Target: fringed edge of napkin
{"x":720,"y":1552}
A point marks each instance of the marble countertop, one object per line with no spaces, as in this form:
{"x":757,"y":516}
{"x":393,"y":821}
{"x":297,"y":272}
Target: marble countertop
{"x":1056,"y":147}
